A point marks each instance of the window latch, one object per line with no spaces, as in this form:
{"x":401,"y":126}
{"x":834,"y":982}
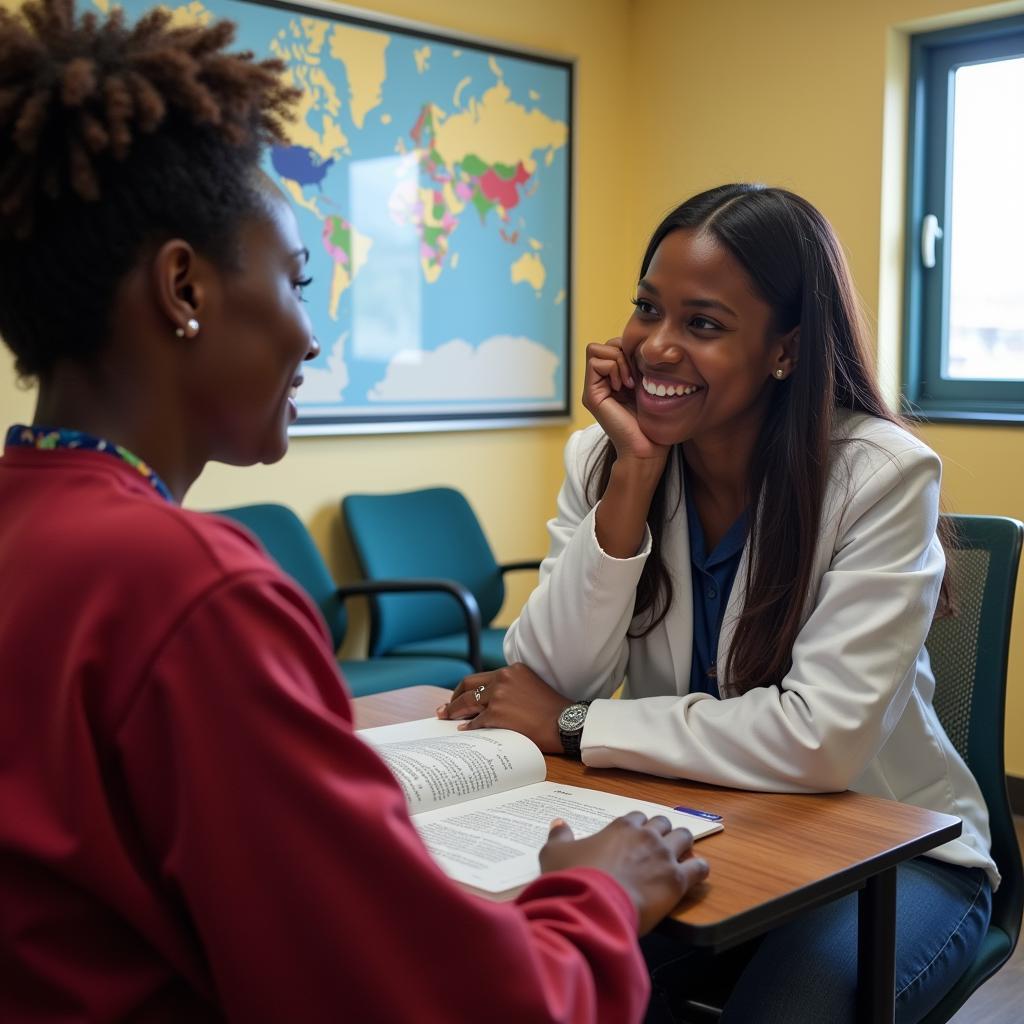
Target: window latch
{"x":930,"y":234}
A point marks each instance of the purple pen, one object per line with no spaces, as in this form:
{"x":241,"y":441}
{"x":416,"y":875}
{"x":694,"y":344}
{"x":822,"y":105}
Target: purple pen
{"x":698,"y":814}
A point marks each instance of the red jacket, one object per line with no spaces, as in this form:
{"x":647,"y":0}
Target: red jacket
{"x":189,"y":827}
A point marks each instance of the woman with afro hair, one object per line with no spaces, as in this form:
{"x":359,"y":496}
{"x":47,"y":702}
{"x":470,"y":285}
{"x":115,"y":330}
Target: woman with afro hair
{"x":190,"y":829}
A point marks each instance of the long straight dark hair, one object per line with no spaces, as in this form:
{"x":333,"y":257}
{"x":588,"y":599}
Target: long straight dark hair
{"x":797,"y":266}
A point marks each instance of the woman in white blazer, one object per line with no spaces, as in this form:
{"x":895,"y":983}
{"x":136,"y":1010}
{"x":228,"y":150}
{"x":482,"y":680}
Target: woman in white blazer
{"x":749,"y":540}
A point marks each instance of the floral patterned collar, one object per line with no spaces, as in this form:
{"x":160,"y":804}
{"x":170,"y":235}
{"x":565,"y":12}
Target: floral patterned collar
{"x":50,"y":438}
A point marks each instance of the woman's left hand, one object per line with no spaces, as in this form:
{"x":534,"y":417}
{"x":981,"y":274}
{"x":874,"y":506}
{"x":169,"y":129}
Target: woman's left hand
{"x":514,"y":697}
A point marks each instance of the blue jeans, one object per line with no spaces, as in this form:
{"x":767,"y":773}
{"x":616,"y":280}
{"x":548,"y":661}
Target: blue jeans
{"x":807,"y":969}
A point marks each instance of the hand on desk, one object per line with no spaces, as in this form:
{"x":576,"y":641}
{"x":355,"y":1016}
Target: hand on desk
{"x":515,"y":698}
{"x":652,"y":861}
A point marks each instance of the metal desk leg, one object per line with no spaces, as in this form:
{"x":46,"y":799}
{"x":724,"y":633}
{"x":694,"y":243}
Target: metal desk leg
{"x":876,"y":949}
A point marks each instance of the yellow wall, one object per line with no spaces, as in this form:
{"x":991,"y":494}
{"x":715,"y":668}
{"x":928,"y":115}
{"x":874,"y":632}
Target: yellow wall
{"x":672,"y":97}
{"x":792,"y":92}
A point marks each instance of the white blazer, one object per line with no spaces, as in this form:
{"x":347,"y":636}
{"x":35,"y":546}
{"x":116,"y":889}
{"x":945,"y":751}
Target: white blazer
{"x":853,"y":712}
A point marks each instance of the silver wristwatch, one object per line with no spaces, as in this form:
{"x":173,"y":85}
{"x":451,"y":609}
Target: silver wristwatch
{"x":570,"y":727}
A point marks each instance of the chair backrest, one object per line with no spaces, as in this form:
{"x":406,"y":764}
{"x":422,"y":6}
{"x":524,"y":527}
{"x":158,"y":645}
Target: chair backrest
{"x":286,"y":539}
{"x":969,"y":653}
{"x":432,"y":532}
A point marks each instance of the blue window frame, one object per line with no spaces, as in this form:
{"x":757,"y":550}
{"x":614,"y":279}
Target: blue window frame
{"x":964,"y":295}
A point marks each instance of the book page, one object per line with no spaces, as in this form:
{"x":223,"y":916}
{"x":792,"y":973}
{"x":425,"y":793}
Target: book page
{"x":493,"y":842}
{"x":437,"y":766}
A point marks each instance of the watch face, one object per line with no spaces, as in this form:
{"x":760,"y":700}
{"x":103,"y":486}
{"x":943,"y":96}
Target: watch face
{"x":572,"y":718}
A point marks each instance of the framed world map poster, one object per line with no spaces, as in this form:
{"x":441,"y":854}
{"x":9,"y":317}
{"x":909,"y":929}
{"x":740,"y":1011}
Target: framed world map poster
{"x":431,"y":177}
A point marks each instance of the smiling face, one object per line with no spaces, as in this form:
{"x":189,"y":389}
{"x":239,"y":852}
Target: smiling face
{"x":256,"y":336}
{"x":701,"y":344}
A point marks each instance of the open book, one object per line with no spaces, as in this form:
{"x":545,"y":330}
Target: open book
{"x":480,"y":802}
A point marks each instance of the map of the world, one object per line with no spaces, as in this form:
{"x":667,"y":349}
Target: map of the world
{"x":431,"y":180}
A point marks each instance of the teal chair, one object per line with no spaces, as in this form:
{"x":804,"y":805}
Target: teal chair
{"x":969,"y":653}
{"x":287,"y":541}
{"x":433,"y":533}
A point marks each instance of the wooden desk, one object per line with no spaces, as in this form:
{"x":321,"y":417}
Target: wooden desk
{"x":778,"y":856}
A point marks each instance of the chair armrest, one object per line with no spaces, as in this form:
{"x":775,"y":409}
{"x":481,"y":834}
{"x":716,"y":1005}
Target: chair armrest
{"x":517,"y":566}
{"x":467,"y":602}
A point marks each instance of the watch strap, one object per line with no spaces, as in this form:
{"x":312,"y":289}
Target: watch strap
{"x":572,"y":739}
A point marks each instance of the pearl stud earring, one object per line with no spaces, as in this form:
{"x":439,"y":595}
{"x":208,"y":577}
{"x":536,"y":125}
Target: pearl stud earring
{"x":192,"y":326}
{"x":780,"y":373}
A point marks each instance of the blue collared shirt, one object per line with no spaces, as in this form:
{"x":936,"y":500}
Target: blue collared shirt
{"x":713,"y":576}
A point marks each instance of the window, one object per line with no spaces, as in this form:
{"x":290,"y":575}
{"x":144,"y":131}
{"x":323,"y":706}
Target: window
{"x":964,"y":301}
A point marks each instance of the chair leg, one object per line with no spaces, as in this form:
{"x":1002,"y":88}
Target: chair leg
{"x":695,"y":1011}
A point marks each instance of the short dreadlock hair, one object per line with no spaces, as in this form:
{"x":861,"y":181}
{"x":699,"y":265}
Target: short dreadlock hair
{"x":114,"y":139}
